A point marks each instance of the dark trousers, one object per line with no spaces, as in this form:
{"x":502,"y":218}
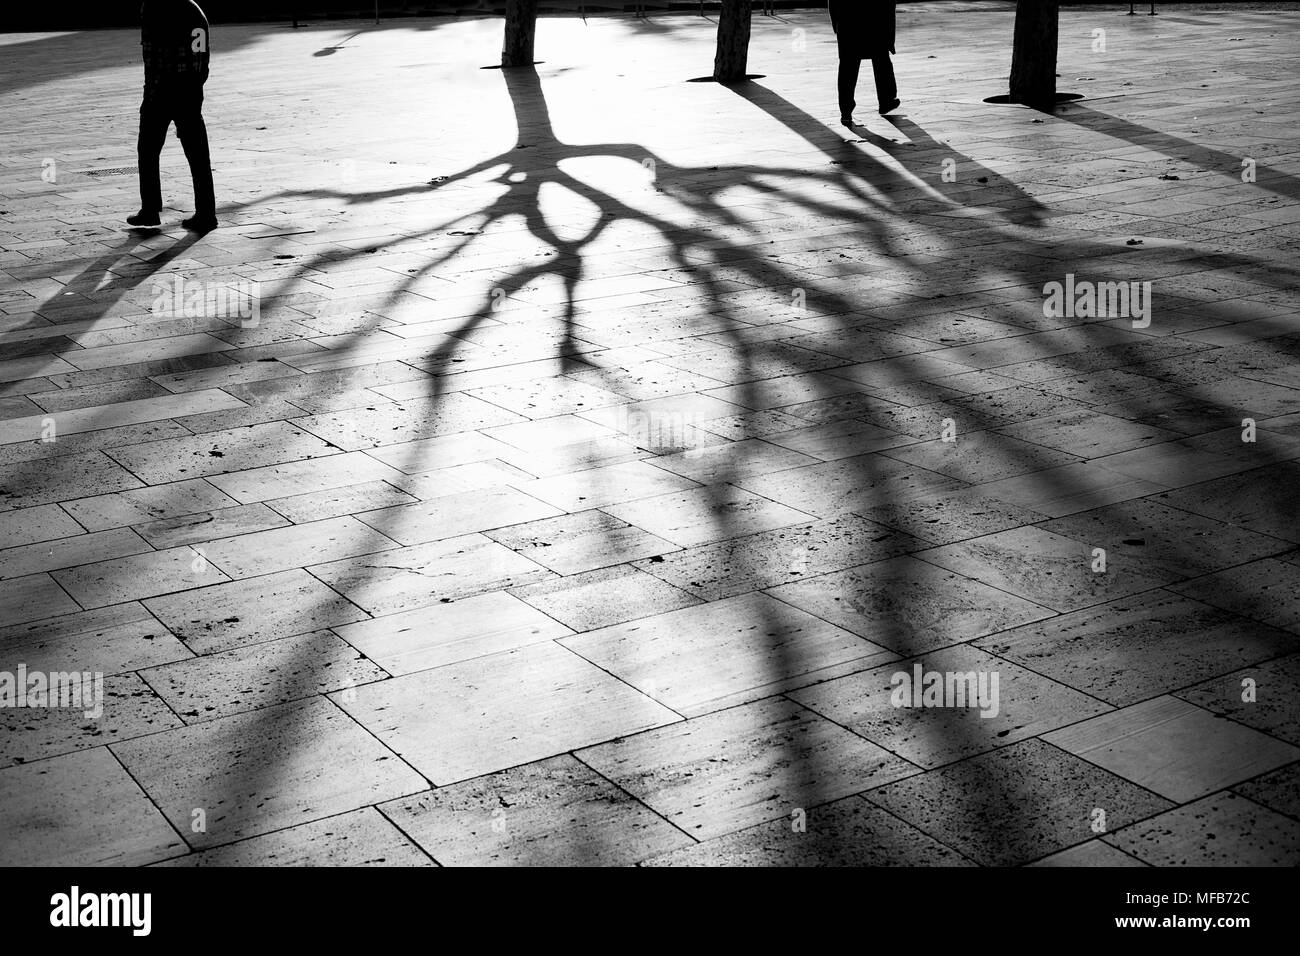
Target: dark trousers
{"x":886,"y":87}
{"x":184,"y":107}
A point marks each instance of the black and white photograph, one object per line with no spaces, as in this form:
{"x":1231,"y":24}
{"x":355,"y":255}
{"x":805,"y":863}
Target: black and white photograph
{"x":743,"y":434}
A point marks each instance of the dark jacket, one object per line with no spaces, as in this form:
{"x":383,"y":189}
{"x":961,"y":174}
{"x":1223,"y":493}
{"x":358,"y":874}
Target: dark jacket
{"x":175,"y":38}
{"x":863,"y":28}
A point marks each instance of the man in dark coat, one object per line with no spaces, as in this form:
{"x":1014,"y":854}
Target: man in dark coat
{"x":864,"y":30}
{"x":174,"y":37}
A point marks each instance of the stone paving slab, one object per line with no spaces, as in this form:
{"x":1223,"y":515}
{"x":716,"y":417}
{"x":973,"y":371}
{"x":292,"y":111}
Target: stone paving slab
{"x":606,"y":467}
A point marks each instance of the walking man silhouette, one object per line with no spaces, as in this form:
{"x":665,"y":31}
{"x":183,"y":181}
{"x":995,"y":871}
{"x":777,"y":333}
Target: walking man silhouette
{"x":864,"y":30}
{"x":174,"y":36}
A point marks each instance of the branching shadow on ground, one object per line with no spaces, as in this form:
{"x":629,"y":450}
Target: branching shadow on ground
{"x":893,"y":217}
{"x":879,"y":193}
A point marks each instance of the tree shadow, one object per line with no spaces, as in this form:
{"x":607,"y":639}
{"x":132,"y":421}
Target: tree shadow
{"x":879,"y":190}
{"x":710,"y":240}
{"x":1207,"y":158}
{"x":102,"y":284}
{"x":696,"y":248}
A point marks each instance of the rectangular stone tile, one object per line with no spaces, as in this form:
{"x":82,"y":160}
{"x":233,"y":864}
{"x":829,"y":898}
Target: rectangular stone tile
{"x":110,"y":640}
{"x":302,"y":477}
{"x":658,"y":419}
{"x":266,"y":770}
{"x":1088,"y":433}
{"x":719,"y":463}
{"x":206,"y":526}
{"x":880,"y":705}
{"x":138,"y":576}
{"x":130,"y":353}
{"x":119,"y":509}
{"x":980,"y":456}
{"x":1172,"y":465}
{"x":952,"y":516}
{"x":909,"y":606}
{"x":1093,"y":853}
{"x":260,"y":675}
{"x":777,"y":557}
{"x":555,"y":812}
{"x":1261,"y":696}
{"x":1174,"y":748}
{"x":30,"y":525}
{"x":585,"y":541}
{"x":224,"y":616}
{"x":219,"y":452}
{"x":259,"y":414}
{"x":1068,"y":489}
{"x":1260,"y":500}
{"x":920,"y":423}
{"x":474,"y":476}
{"x":1047,"y":569}
{"x":441,"y":634}
{"x":639,"y":380}
{"x":555,"y":460}
{"x":500,"y":711}
{"x":703,"y":515}
{"x":1220,"y":830}
{"x":24,"y":484}
{"x":549,"y":432}
{"x":1016,"y":804}
{"x":445,"y":451}
{"x":72,"y":421}
{"x":1279,"y":790}
{"x":425,"y":574}
{"x":32,"y":598}
{"x":335,"y":502}
{"x":85,"y":444}
{"x":848,"y":832}
{"x":1267,"y":591}
{"x":700,"y":659}
{"x":357,"y":838}
{"x":1138,"y":647}
{"x":280,"y":549}
{"x":1035,"y":345}
{"x":128,"y":708}
{"x":756,"y":424}
{"x":606,"y":596}
{"x":850,"y":484}
{"x":81,"y":809}
{"x":740,"y":767}
{"x":543,"y":397}
{"x":69,"y":552}
{"x":839,"y":439}
{"x":230,"y":378}
{"x":19,"y":406}
{"x":607,"y":485}
{"x":457,"y":514}
{"x":33,"y":366}
{"x":405,"y":421}
{"x":1183,"y":543}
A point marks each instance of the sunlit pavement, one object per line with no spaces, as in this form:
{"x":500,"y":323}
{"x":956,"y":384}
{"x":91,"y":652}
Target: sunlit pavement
{"x":581,"y":465}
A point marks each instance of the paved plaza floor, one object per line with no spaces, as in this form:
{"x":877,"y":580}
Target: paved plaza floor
{"x":580,"y":464}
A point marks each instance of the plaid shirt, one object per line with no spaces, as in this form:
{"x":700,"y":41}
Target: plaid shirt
{"x":175,"y":38}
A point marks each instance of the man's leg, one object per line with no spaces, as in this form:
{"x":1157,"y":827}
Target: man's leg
{"x":193,"y":134}
{"x":154,"y":120}
{"x":886,"y":86}
{"x":848,"y":83}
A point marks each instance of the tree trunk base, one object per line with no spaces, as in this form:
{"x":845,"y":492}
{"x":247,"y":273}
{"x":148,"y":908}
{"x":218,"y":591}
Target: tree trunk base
{"x":1006,"y":99}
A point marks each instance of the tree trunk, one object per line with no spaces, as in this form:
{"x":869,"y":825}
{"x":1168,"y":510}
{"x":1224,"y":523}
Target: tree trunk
{"x":521,"y":26}
{"x":1033,"y":53}
{"x":733,"y":42}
